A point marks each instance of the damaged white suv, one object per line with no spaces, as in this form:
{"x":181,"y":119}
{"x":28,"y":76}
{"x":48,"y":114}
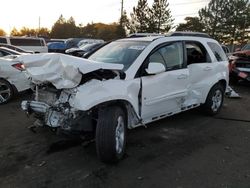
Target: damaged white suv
{"x":126,"y":84}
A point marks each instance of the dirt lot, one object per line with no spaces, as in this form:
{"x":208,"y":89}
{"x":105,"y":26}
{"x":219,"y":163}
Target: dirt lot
{"x":188,"y":150}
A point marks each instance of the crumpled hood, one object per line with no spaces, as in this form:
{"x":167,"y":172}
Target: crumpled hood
{"x":63,"y":71}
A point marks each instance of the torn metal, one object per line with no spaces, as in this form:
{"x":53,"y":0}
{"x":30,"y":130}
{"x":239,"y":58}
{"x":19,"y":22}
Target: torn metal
{"x":63,"y":71}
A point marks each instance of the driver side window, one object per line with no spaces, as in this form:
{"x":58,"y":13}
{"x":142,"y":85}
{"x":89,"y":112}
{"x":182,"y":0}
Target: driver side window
{"x":170,"y":55}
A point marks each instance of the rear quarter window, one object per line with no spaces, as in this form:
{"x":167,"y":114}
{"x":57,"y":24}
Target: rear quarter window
{"x":217,"y":51}
{"x":25,"y":42}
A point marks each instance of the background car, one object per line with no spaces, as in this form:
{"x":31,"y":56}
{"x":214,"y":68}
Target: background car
{"x":58,"y":47}
{"x":6,"y":52}
{"x":82,"y":50}
{"x":12,"y":79}
{"x":12,"y":47}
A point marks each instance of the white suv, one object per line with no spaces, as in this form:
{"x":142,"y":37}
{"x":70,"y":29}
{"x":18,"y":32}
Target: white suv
{"x":126,"y":84}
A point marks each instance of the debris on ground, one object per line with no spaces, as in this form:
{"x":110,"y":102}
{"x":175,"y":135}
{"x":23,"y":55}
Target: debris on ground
{"x":230,"y":93}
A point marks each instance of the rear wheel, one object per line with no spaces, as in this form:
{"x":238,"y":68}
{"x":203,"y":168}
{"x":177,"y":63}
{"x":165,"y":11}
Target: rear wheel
{"x":111,"y":132}
{"x":214,"y":100}
{"x":6,"y":91}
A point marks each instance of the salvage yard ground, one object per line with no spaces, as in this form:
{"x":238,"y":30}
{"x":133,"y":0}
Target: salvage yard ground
{"x":187,"y":150}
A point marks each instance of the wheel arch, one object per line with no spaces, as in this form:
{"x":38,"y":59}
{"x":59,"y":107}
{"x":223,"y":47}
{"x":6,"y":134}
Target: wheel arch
{"x":221,"y":82}
{"x":15,"y":91}
{"x":126,"y":106}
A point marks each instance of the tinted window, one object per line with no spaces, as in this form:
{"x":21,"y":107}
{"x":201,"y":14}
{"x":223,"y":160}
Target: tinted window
{"x":25,"y":42}
{"x":196,"y":53}
{"x":3,"y":40}
{"x":218,"y":51}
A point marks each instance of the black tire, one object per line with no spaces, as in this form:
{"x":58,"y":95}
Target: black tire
{"x":110,"y":122}
{"x":6,"y":91}
{"x":214,"y":100}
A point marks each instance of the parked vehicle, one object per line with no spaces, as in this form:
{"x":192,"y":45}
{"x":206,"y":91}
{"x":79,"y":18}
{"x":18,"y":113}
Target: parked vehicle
{"x":89,"y":41}
{"x":125,"y":84}
{"x":37,"y":45}
{"x":56,"y":47}
{"x":72,"y":42}
{"x":12,"y":79}
{"x":82,"y":50}
{"x":6,"y":52}
{"x":16,"y":48}
{"x":240,"y":64}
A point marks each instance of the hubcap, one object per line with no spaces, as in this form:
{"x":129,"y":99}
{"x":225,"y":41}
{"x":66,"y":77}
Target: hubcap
{"x":216,"y":100}
{"x":4,"y":92}
{"x":119,"y":135}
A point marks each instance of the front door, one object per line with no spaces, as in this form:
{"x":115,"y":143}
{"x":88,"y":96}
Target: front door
{"x":165,"y":92}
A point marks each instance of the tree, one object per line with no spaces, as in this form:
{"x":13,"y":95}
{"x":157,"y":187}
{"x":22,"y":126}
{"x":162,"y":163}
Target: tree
{"x":2,"y":32}
{"x":14,"y":32}
{"x":160,"y":19}
{"x":192,"y":24}
{"x":124,"y":25}
{"x":43,"y":32}
{"x":63,"y":28}
{"x":226,"y":19}
{"x":139,"y":18}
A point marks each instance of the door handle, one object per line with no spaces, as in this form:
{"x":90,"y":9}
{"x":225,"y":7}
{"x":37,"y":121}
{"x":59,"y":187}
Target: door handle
{"x":182,"y":76}
{"x":207,"y":68}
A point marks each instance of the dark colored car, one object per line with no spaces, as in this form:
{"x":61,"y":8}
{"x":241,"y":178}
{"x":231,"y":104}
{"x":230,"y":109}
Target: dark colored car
{"x":83,"y":50}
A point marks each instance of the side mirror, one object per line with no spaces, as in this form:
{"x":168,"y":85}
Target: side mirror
{"x":155,"y":68}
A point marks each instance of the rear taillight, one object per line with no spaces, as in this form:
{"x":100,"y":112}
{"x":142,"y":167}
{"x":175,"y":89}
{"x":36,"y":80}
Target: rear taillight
{"x":19,"y":66}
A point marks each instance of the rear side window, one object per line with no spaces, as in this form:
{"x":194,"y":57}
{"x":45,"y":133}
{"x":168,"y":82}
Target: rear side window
{"x":217,"y":51}
{"x":25,"y":42}
{"x":3,"y":40}
{"x":196,"y":53}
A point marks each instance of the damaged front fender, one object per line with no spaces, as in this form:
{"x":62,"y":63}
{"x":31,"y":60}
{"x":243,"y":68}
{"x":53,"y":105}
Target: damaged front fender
{"x":96,"y":92}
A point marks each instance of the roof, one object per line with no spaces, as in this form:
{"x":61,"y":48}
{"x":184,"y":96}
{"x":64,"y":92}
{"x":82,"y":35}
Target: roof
{"x":146,"y":39}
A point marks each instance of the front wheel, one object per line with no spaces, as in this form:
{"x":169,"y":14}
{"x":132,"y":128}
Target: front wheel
{"x":214,"y":100}
{"x":111,"y":132}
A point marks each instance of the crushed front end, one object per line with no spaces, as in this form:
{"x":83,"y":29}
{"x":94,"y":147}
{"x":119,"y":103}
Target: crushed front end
{"x":52,"y":108}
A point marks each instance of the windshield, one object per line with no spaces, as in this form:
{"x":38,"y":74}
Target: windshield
{"x":119,"y":52}
{"x":246,"y":47}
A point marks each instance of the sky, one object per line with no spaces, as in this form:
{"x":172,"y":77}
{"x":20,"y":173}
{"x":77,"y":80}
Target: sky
{"x":20,"y":13}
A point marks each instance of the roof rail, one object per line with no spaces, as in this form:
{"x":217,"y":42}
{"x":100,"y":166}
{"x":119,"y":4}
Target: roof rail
{"x":188,"y":33}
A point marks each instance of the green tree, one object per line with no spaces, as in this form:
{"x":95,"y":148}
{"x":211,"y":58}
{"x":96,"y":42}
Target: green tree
{"x":2,"y":32}
{"x":102,"y":31}
{"x":63,"y":28}
{"x":139,"y":21}
{"x":124,"y":25}
{"x":192,"y":24}
{"x":160,"y":20}
{"x":226,"y":19}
